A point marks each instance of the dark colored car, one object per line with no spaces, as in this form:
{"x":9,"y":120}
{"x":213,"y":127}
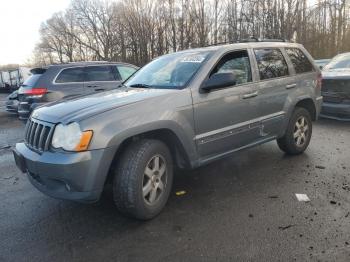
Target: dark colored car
{"x":336,"y":88}
{"x":67,"y":80}
{"x":12,"y":103}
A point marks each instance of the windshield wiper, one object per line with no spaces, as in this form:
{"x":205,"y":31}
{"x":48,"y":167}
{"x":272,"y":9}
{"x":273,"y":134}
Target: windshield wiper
{"x":140,"y":85}
{"x":121,"y":85}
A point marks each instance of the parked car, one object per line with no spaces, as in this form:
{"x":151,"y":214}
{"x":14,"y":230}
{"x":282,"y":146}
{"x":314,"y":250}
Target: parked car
{"x":321,"y":63}
{"x":12,"y":103}
{"x":336,"y":88}
{"x":183,"y":110}
{"x":66,"y":80}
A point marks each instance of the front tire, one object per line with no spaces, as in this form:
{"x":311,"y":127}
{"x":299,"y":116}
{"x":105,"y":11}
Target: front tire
{"x":143,"y":179}
{"x":298,"y":133}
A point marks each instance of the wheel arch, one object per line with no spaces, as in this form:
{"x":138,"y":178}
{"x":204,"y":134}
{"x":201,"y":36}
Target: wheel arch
{"x":309,"y":105}
{"x":177,"y":148}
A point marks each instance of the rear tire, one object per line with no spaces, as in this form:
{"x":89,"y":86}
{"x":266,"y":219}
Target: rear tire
{"x":298,"y":133}
{"x":143,"y":179}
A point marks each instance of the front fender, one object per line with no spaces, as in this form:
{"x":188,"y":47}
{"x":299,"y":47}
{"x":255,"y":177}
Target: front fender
{"x":112,"y":128}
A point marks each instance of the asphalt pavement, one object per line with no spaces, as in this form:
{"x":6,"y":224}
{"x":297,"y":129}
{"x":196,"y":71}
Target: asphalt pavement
{"x":242,"y":208}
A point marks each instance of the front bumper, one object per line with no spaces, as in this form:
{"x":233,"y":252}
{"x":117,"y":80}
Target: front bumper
{"x":72,"y":176}
{"x":337,"y":111}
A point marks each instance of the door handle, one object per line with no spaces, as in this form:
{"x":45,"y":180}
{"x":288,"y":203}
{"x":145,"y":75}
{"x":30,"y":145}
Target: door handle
{"x":291,"y":86}
{"x":93,"y":86}
{"x":250,"y":95}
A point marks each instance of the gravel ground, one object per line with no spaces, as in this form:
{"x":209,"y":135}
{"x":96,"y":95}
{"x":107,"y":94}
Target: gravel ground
{"x":242,"y":208}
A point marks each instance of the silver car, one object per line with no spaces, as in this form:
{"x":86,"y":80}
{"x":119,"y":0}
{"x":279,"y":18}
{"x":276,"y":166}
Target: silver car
{"x":182,"y":110}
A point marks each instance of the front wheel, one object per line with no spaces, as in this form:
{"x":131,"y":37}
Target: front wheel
{"x":143,"y":179}
{"x":298,"y":133}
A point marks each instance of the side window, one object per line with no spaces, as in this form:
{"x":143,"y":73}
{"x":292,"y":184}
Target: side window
{"x":125,"y":71}
{"x":299,"y":60}
{"x":99,"y":73}
{"x":71,"y":75}
{"x":236,"y":63}
{"x":271,"y":63}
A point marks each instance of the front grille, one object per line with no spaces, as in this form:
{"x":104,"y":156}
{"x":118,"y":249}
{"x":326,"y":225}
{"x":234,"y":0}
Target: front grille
{"x":339,"y":86}
{"x":331,"y":99}
{"x":38,"y":135}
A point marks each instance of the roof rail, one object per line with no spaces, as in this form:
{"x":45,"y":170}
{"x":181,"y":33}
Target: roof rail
{"x":255,"y":39}
{"x":249,"y":40}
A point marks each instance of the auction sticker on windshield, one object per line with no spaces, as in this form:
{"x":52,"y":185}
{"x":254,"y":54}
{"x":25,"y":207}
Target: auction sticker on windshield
{"x":194,"y":58}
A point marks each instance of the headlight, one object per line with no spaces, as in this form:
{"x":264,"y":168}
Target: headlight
{"x":71,"y":138}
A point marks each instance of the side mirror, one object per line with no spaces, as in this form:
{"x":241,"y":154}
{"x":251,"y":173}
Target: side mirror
{"x":218,"y":80}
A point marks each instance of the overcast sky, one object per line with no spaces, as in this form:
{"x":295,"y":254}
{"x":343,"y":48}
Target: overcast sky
{"x":19,"y":25}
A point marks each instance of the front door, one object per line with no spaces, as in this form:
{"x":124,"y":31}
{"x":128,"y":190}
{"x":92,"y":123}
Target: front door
{"x":224,"y":118}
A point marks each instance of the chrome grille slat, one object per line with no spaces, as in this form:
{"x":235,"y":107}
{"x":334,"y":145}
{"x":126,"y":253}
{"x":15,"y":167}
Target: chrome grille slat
{"x":48,"y":140}
{"x":26,"y":130}
{"x":41,"y":138}
{"x":38,"y":135}
{"x":29,"y":130}
{"x":32,"y":132}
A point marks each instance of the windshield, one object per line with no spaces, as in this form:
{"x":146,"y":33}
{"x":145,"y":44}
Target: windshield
{"x":170,"y":71}
{"x":340,"y":61}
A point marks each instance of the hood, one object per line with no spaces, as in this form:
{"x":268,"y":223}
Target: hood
{"x":341,"y":73}
{"x":82,"y":107}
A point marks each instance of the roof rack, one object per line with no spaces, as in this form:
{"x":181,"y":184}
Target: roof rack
{"x":250,"y":40}
{"x":255,"y":39}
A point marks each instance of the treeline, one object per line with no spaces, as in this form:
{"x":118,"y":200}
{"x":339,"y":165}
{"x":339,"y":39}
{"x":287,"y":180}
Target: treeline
{"x":136,"y":31}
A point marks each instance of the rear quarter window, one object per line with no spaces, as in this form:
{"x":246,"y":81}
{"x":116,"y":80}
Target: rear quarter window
{"x":271,"y":63}
{"x":299,"y":60}
{"x":125,"y":71}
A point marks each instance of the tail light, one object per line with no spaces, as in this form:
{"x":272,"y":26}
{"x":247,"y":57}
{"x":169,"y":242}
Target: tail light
{"x":36,"y":91}
{"x":319,"y":81}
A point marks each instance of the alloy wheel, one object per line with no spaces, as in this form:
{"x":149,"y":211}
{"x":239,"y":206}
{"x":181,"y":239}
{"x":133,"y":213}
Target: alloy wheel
{"x":154,"y":179}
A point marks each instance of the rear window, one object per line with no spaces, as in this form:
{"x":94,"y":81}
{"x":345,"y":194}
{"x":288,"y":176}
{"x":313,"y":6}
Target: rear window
{"x":70,"y":75}
{"x":31,"y":81}
{"x":299,"y":60}
{"x":99,"y":73}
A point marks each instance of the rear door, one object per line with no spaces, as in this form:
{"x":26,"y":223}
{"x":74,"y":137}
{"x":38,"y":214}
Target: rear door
{"x":101,"y":78}
{"x":273,"y":87}
{"x":305,"y":73}
{"x":68,"y":82}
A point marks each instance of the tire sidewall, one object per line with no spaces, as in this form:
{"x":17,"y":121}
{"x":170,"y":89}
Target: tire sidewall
{"x":142,"y":209}
{"x":299,"y":112}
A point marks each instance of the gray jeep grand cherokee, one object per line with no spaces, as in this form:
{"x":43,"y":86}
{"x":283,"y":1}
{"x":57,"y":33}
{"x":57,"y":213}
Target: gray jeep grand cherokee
{"x":183,"y":110}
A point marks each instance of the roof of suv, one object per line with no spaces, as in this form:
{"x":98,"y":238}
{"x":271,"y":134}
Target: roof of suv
{"x":230,"y":46}
{"x":89,"y":63}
